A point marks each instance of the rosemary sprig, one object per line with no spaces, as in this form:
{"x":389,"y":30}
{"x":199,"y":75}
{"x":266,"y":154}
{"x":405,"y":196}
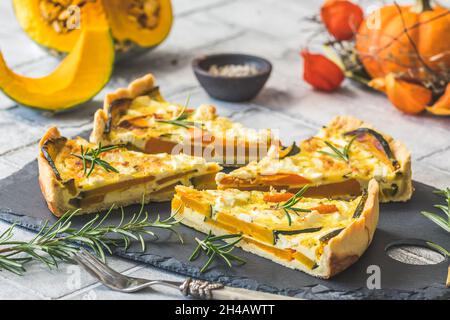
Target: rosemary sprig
{"x":56,"y":243}
{"x":91,"y":156}
{"x":288,"y":206}
{"x":439,"y":248}
{"x":343,"y":154}
{"x":181,"y":119}
{"x":214,"y":250}
{"x":444,"y":223}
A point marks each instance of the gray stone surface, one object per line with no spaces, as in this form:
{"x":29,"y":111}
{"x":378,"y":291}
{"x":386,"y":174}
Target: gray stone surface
{"x":270,"y":28}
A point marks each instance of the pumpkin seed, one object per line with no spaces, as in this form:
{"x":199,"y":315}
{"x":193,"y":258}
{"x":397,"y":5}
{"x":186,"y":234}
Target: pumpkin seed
{"x":59,"y":14}
{"x":145,"y":13}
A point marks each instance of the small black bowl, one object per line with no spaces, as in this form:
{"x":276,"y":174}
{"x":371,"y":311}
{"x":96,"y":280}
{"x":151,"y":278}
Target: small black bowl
{"x":232,"y":89}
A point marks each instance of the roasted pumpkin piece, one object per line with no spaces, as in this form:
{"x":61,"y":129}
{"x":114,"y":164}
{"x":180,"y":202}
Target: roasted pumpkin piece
{"x":205,"y":181}
{"x":310,"y":264}
{"x":289,"y":151}
{"x":78,"y":78}
{"x":285,"y":254}
{"x":259,"y":232}
{"x":196,"y":203}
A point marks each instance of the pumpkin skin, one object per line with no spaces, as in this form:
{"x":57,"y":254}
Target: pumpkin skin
{"x":387,"y":49}
{"x":78,"y":78}
{"x":129,"y":37}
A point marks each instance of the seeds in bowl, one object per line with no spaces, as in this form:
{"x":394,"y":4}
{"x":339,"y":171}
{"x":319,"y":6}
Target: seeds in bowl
{"x":234,"y":70}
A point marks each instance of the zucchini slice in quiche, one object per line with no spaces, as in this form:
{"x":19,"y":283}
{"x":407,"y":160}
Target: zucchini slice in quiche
{"x":139,"y":117}
{"x":338,"y":161}
{"x":70,"y":178}
{"x":322,"y":237}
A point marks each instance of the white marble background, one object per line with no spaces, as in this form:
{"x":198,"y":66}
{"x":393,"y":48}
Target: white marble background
{"x":271,"y":28}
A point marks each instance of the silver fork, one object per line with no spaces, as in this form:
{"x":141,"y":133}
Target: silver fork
{"x":198,"y":289}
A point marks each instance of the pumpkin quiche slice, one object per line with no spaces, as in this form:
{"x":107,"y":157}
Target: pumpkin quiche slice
{"x":339,"y":160}
{"x":76,"y":174}
{"x":319,"y":236}
{"x":139,"y":117}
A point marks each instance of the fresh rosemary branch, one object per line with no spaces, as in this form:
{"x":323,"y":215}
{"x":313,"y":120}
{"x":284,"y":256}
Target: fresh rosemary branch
{"x":181,"y":119}
{"x":214,"y":250}
{"x":444,"y":223}
{"x":339,"y":154}
{"x":56,"y":243}
{"x":92,"y":156}
{"x":439,"y":248}
{"x":288,"y":206}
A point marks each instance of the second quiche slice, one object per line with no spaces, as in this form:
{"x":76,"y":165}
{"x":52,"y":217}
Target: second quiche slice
{"x":340,"y":160}
{"x":321,"y":237}
{"x":139,"y":117}
{"x":69,"y":180}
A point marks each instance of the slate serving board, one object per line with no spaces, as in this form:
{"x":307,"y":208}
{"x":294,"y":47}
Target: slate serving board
{"x":21,"y":202}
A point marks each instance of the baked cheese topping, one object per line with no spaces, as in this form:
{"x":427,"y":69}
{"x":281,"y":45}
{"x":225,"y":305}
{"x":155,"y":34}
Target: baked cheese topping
{"x":318,"y":163}
{"x":141,"y":121}
{"x":259,"y":217}
{"x":130,"y":165}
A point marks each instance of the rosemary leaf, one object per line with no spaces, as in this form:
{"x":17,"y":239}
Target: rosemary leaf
{"x":92,"y":156}
{"x":58,"y":242}
{"x":441,"y":221}
{"x":213,"y":250}
{"x":338,"y":154}
{"x":288,"y":206}
{"x":439,"y":248}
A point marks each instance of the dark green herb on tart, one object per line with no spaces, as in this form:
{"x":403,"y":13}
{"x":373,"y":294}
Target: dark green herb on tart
{"x":330,"y":235}
{"x":277,"y":233}
{"x":92,"y":157}
{"x":339,"y":154}
{"x":288,"y":206}
{"x":213,"y":249}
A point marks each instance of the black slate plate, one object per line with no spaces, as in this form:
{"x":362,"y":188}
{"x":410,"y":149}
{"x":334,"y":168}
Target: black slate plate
{"x":21,"y":202}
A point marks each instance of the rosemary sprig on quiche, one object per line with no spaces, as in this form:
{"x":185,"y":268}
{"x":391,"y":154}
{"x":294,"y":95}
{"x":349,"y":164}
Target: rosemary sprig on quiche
{"x":343,"y":154}
{"x":56,"y":243}
{"x":181,"y":119}
{"x":215,"y":250}
{"x":289,"y":205}
{"x":443,"y":222}
{"x":92,"y":156}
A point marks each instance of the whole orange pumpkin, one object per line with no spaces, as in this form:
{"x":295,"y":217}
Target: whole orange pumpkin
{"x":410,"y":41}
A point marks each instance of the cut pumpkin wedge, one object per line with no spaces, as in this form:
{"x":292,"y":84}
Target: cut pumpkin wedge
{"x":78,"y":78}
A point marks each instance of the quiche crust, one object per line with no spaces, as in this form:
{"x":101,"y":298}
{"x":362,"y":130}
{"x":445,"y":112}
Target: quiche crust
{"x":145,"y":178}
{"x":216,"y":139}
{"x":339,"y":253}
{"x":135,"y":89}
{"x":250,"y":178}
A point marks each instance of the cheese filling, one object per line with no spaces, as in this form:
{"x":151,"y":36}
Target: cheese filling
{"x":265,"y":225}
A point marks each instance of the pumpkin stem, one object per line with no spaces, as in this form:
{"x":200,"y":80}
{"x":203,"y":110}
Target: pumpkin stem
{"x":423,"y":5}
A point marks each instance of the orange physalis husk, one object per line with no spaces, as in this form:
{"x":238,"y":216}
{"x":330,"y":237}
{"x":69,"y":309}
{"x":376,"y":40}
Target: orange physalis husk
{"x":378,"y":84}
{"x":320,"y":72}
{"x":341,"y":18}
{"x":442,"y":106}
{"x":406,"y":96}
